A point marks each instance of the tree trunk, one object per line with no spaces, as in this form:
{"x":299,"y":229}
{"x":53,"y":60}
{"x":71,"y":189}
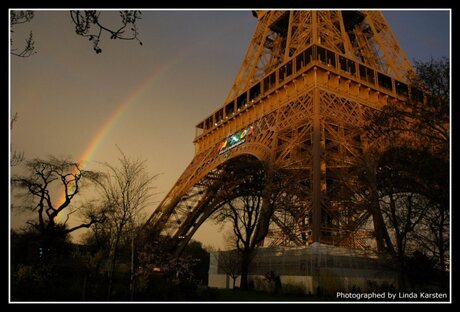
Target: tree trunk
{"x":131,"y":284}
{"x":112,"y":267}
{"x":245,"y":261}
{"x":442,"y":260}
{"x":402,"y":275}
{"x":115,"y":253}
{"x":376,"y":218}
{"x":266,"y":211}
{"x":402,"y":266}
{"x":444,"y":273}
{"x":85,"y":279}
{"x":381,"y":234}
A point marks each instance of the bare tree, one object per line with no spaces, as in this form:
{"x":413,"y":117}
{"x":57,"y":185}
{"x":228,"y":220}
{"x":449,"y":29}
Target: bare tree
{"x":16,"y":157}
{"x":243,"y":212}
{"x":413,"y":167}
{"x":433,"y":238}
{"x":403,"y":212}
{"x":126,"y":190}
{"x":88,"y":24}
{"x":249,"y":206}
{"x":42,"y":178}
{"x":21,"y":17}
{"x":422,"y":121}
{"x":229,"y":261}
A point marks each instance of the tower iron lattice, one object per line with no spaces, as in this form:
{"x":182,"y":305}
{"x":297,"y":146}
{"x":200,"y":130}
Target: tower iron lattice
{"x":297,"y":105}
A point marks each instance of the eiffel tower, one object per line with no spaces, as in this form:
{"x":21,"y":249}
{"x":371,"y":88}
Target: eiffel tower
{"x":304,"y":87}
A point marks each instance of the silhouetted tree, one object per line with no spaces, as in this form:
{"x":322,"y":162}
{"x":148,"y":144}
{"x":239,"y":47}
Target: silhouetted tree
{"x":160,"y":275}
{"x":403,"y":212}
{"x":88,"y":24}
{"x":16,"y":157}
{"x":199,"y":270}
{"x":229,"y":261}
{"x":421,"y":270}
{"x":413,"y":166}
{"x":421,"y":122}
{"x":44,"y":177}
{"x":126,"y":190}
{"x":433,"y":121}
{"x":21,"y":17}
{"x":243,"y":212}
{"x":433,"y":239}
{"x":242,"y":208}
{"x":253,"y":192}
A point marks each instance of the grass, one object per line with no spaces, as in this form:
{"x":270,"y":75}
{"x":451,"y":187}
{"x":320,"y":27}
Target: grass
{"x":251,"y":295}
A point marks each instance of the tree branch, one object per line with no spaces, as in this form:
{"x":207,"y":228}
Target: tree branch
{"x":85,"y":20}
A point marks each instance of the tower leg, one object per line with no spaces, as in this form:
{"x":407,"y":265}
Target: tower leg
{"x":267,"y":209}
{"x":316,"y":146}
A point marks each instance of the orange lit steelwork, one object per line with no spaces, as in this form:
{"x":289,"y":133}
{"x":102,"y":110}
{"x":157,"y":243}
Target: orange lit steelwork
{"x":303,"y":90}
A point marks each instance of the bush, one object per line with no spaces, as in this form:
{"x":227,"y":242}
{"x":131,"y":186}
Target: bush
{"x":294,"y":288}
{"x":330,"y":283}
{"x":207,"y":293}
{"x":380,"y":287}
{"x":46,"y":283}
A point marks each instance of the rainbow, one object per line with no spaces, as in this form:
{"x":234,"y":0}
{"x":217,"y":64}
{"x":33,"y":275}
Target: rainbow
{"x":115,"y":116}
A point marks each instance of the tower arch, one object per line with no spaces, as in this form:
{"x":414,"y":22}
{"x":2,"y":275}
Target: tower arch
{"x":298,"y":105}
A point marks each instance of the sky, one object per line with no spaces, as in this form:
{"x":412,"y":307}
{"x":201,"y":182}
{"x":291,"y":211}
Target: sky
{"x":151,"y":95}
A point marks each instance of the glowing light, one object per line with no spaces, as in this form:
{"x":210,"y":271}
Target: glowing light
{"x":235,"y":140}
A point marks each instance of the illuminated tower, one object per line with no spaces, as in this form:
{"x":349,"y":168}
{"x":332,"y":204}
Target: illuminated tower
{"x":303,"y":89}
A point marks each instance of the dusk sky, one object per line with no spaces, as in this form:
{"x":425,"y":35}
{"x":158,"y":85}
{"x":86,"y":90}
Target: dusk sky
{"x":183,"y":71}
